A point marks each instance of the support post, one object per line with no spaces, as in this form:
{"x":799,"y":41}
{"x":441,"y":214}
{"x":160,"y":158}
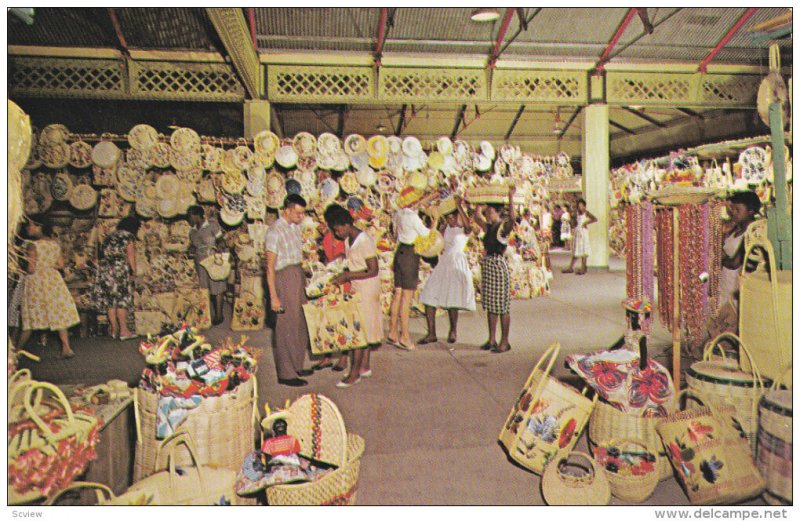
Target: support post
{"x":676,"y":302}
{"x":779,"y":216}
{"x":596,"y":180}
{"x":256,"y":117}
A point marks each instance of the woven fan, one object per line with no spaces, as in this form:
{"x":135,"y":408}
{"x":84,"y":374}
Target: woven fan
{"x":773,"y":88}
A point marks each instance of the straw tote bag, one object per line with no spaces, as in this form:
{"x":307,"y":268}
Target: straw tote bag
{"x":335,"y":326}
{"x":248,"y":312}
{"x":218,"y":265}
{"x":196,"y":485}
{"x":547,"y":419}
{"x":575,"y":479}
{"x":765,"y":310}
{"x":712,"y":461}
{"x":106,"y":497}
{"x":774,"y":451}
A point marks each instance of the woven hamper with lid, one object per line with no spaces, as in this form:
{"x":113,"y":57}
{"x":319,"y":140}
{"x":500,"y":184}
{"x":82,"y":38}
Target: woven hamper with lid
{"x":222,"y":429}
{"x":774,"y":449}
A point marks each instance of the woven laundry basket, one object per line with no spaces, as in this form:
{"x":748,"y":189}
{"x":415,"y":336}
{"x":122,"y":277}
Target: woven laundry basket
{"x":222,"y":429}
{"x":774,"y":449}
{"x":607,"y":424}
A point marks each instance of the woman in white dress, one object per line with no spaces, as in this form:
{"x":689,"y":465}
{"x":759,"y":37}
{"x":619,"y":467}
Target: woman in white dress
{"x":450,"y":284}
{"x":580,"y":247}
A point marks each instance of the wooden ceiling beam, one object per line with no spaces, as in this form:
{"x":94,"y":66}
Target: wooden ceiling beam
{"x":514,"y":122}
{"x":236,"y":38}
{"x":690,"y":113}
{"x":399,"y":130}
{"x":570,"y":120}
{"x":340,"y":125}
{"x":642,"y":115}
{"x":623,"y":128}
{"x":459,"y":119}
{"x":118,"y":30}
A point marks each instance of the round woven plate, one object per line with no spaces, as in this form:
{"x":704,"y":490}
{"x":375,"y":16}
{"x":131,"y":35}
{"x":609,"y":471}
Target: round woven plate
{"x":263,"y":160}
{"x":304,"y":144}
{"x":61,"y":188}
{"x":266,"y":142}
{"x":80,"y":154}
{"x":129,"y":182}
{"x":167,"y":186}
{"x":286,"y":157}
{"x":105,"y":154}
{"x":142,"y":137}
{"x":83,"y":197}
{"x":185,"y":159}
{"x":55,"y":156}
{"x":328,"y":144}
{"x":53,"y":134}
{"x":234,"y":182}
{"x":242,"y":157}
{"x":184,"y":139}
{"x":158,"y":156}
{"x":211,"y":157}
{"x":349,"y":183}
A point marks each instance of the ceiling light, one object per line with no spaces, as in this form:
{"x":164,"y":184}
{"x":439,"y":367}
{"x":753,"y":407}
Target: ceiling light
{"x":636,"y":107}
{"x":381,"y":127}
{"x":484,"y":15}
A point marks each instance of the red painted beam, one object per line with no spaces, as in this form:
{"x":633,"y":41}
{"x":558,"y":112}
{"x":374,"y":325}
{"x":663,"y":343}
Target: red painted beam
{"x":617,"y":35}
{"x":381,"y":35}
{"x":251,"y":18}
{"x":725,"y":39}
{"x":501,"y":35}
{"x":118,"y":29}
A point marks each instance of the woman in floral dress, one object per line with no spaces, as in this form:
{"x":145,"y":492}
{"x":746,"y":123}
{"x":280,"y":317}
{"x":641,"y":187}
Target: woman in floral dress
{"x":113,"y":287}
{"x":46,"y":301}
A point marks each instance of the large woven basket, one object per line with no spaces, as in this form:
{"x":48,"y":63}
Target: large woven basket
{"x":221,"y":427}
{"x":724,"y":384}
{"x":774,"y":450}
{"x":631,"y":488}
{"x":608,"y":424}
{"x":338,"y":487}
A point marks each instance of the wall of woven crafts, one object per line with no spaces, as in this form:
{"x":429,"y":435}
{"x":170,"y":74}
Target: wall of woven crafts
{"x":86,"y":183}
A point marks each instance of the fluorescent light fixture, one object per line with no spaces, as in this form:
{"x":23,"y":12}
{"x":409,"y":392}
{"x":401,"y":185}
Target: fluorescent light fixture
{"x":484,"y":14}
{"x":23,"y":13}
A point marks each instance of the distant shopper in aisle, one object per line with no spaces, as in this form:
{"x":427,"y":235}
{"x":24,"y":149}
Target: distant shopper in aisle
{"x":407,"y":228}
{"x":362,"y":273}
{"x":46,"y":301}
{"x":450,"y":285}
{"x":566,"y":228}
{"x":286,"y":284}
{"x":558,"y":211}
{"x":206,"y":238}
{"x":580,"y":240}
{"x":495,"y":276}
{"x":113,"y":287}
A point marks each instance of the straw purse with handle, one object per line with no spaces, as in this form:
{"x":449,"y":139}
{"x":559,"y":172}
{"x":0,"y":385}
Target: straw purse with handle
{"x":575,"y":479}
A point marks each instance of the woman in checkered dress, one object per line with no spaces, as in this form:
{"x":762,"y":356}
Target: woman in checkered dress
{"x":495,"y":277}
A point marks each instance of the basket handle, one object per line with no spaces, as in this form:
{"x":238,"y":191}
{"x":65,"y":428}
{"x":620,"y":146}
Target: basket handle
{"x":104,"y":494}
{"x":779,"y":380}
{"x":703,"y":399}
{"x":578,"y":454}
{"x":173,"y":441}
{"x":30,"y":407}
{"x":552,"y":351}
{"x":632,"y":440}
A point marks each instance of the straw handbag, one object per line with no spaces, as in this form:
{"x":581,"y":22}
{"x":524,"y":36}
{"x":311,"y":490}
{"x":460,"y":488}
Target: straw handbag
{"x":547,"y":419}
{"x":106,"y":497}
{"x":318,"y":425}
{"x":711,"y":460}
{"x":198,"y":485}
{"x":724,"y":384}
{"x":248,"y":312}
{"x":765,"y":311}
{"x":630,"y":468}
{"x":608,"y":424}
{"x":575,"y":479}
{"x":48,"y":443}
{"x":774,"y":452}
{"x":335,"y":326}
{"x":218,"y":265}
{"x":222,"y":428}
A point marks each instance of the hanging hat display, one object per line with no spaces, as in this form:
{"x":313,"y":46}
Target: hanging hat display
{"x":349,"y":182}
{"x":329,"y":189}
{"x":55,"y":156}
{"x":304,"y":144}
{"x":80,"y":154}
{"x":142,"y":137}
{"x":184,"y":139}
{"x":366,"y":177}
{"x":286,"y":156}
{"x":355,"y":144}
{"x":266,"y":142}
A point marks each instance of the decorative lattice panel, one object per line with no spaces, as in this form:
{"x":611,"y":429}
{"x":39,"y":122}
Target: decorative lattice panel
{"x":320,"y":84}
{"x":58,"y":77}
{"x":651,"y":88}
{"x":185,"y":81}
{"x":729,"y":89}
{"x":532,"y":86}
{"x":410,"y":84}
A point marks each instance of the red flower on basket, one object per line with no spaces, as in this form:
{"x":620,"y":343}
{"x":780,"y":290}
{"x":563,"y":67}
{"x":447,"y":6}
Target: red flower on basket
{"x":606,"y":374}
{"x":698,"y":432}
{"x":681,"y":457}
{"x":566,"y":433}
{"x":649,"y":384}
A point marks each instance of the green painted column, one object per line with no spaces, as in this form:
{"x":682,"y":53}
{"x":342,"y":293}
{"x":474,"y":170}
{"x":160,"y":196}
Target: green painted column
{"x":256,"y":117}
{"x":596,"y":180}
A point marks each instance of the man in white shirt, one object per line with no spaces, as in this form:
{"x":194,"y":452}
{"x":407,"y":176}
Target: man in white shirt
{"x":286,"y":283}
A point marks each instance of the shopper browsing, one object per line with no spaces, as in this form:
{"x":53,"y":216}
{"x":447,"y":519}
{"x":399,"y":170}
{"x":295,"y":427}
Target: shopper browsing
{"x":362,"y":274}
{"x":580,"y":248}
{"x":334,"y":250}
{"x":450,"y":284}
{"x":495,"y":277}
{"x":46,"y":301}
{"x":286,"y":283}
{"x":206,"y":238}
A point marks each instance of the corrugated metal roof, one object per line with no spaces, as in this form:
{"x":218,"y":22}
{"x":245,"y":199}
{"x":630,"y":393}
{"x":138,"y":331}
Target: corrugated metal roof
{"x":64,"y":27}
{"x":342,"y":29}
{"x":184,"y":28}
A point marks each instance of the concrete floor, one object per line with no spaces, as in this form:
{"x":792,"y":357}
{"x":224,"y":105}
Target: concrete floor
{"x":431,"y":418}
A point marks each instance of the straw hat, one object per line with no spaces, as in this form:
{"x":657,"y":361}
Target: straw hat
{"x":167,"y":208}
{"x":487,"y":150}
{"x":436,"y":160}
{"x":274,"y":181}
{"x":231,"y":217}
{"x":55,"y":156}
{"x":159,"y":155}
{"x":242,"y":157}
{"x":233,"y":182}
{"x":83,"y":197}
{"x":286,"y":156}
{"x":275,"y":199}
{"x":186,"y":159}
{"x":328,"y":144}
{"x":61,"y":188}
{"x":355,"y":144}
{"x":304,"y":144}
{"x":412,"y":147}
{"x":329,"y":189}
{"x":137,"y":158}
{"x":349,"y":182}
{"x":341,"y":161}
{"x":263,"y":160}
{"x":366,"y":177}
{"x":378,"y":146}
{"x":167,"y":186}
{"x":429,"y":246}
{"x":80,"y":154}
{"x":54,"y":134}
{"x":418,"y":180}
{"x":409,"y":196}
{"x":412,"y":163}
{"x":378,"y":161}
{"x":266,"y":142}
{"x":105,"y":154}
{"x":444,"y":146}
{"x":255,"y":207}
{"x":184,"y":139}
{"x":307,"y":164}
{"x":293,"y":186}
{"x":359,"y":161}
{"x":326,"y":161}
{"x":481,"y":163}
{"x":395,"y":145}
{"x":142,"y":137}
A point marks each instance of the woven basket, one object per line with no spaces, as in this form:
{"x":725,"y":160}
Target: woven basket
{"x":195,"y":485}
{"x":634,"y":489}
{"x":672,"y":195}
{"x":711,"y":460}
{"x":547,"y":418}
{"x":338,"y":487}
{"x":774,"y":451}
{"x":106,"y":497}
{"x":724,"y":384}
{"x":574,"y":479}
{"x":491,"y":194}
{"x":608,"y":424}
{"x":221,"y":427}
